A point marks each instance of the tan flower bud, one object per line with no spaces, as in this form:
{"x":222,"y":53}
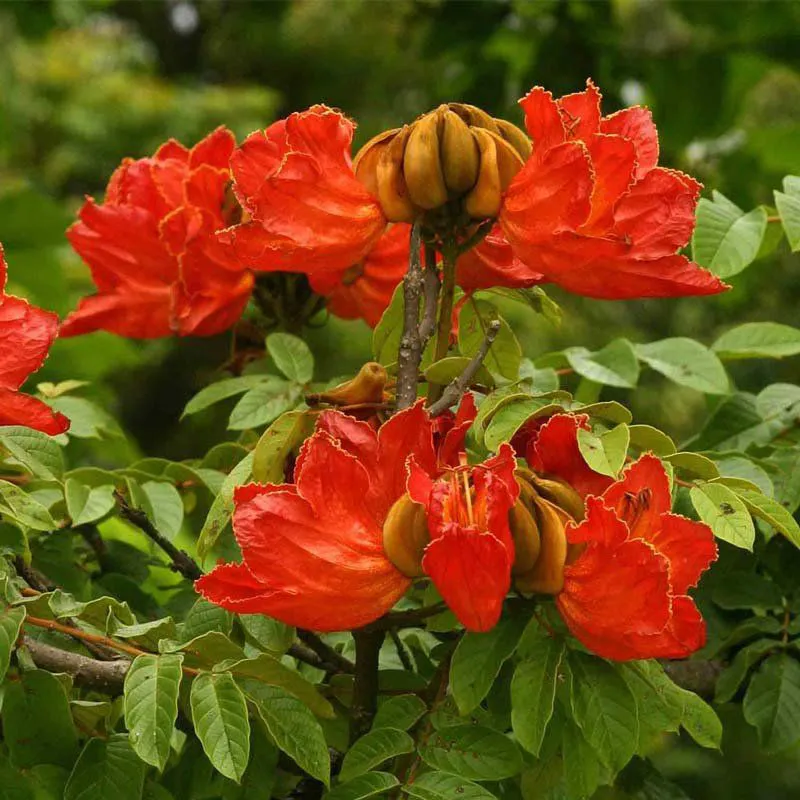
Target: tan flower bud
{"x":392,"y":188}
{"x":366,"y":387}
{"x":525,"y":533}
{"x":460,"y":154}
{"x":405,"y":536}
{"x":422,"y":163}
{"x":547,"y":575}
{"x":560,"y":493}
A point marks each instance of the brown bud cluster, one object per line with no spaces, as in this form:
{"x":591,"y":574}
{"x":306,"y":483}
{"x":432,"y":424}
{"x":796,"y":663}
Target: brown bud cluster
{"x":456,"y":156}
{"x":538,"y":526}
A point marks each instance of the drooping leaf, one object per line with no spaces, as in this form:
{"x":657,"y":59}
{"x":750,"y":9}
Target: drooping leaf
{"x":772,"y":702}
{"x":106,"y":768}
{"x":687,"y":363}
{"x":219,"y":713}
{"x":151,"y":705}
{"x":292,"y":726}
{"x":773,"y":513}
{"x":473,"y":752}
{"x":372,"y":749}
{"x":614,"y":365}
{"x":21,"y":508}
{"x":732,"y":677}
{"x":477,"y":661}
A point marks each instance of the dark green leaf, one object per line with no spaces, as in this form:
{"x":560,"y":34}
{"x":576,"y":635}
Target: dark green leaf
{"x":472,"y":752}
{"x":442,"y":786}
{"x":372,"y":749}
{"x":399,"y":712}
{"x":37,"y":452}
{"x":10,"y":625}
{"x":368,"y":785}
{"x":772,"y":702}
{"x":106,"y":769}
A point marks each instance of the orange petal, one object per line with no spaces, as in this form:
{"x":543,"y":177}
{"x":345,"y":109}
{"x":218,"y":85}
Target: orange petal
{"x":635,"y":123}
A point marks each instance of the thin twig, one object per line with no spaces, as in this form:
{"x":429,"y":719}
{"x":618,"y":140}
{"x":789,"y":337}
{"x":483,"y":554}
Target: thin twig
{"x":329,"y":659}
{"x":455,"y":390}
{"x":409,"y":355}
{"x":402,"y":652}
{"x":182,"y":562}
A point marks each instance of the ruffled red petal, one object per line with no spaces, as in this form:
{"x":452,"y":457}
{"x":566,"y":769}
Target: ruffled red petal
{"x":613,"y":162}
{"x":233,"y":586}
{"x":493,"y":263}
{"x":543,"y":119}
{"x":26,"y":333}
{"x":316,"y":545}
{"x":310,"y":213}
{"x":22,"y":409}
{"x":450,"y":431}
{"x":554,"y":450}
{"x":580,"y":112}
{"x":635,"y":123}
{"x":139,"y":315}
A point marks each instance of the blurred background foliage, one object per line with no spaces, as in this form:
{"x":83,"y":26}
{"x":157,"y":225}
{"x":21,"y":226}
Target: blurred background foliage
{"x":88,"y":82}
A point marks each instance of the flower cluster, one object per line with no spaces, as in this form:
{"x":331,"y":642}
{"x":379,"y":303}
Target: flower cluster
{"x":577,"y":199}
{"x":370,"y":511}
{"x":26,"y":334}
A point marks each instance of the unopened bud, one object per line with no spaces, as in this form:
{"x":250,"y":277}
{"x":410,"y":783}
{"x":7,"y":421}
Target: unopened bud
{"x":366,"y":387}
{"x":525,"y":533}
{"x":547,"y":575}
{"x":405,"y":536}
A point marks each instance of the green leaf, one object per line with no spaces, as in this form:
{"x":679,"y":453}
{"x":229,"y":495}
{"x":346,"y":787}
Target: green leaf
{"x":372,"y":749}
{"x":399,"y":712}
{"x":368,"y":785}
{"x":107,"y":769}
{"x":292,"y":727}
{"x":505,"y":354}
{"x":605,"y":453}
{"x":10,"y":625}
{"x":726,"y":240}
{"x":721,"y":509}
{"x":278,"y":440}
{"x":473,"y":752}
{"x":773,"y":513}
{"x":647,"y":438}
{"x":146,"y":634}
{"x":37,"y":724}
{"x":687,"y":363}
{"x":263,"y":404}
{"x":737,"y":423}
{"x":477,"y":661}
{"x":583,"y":769}
{"x":221,"y":509}
{"x":87,"y":419}
{"x":658,"y":708}
{"x":291,"y":356}
{"x":151,"y":705}
{"x":740,"y":589}
{"x":788,"y":205}
{"x":165,"y":507}
{"x":205,"y":617}
{"x":751,"y":475}
{"x":22,"y":509}
{"x":448,"y":369}
{"x":772,"y":702}
{"x":219,"y":713}
{"x":205,"y":650}
{"x":700,"y":720}
{"x":221,"y":390}
{"x":758,"y":340}
{"x":88,"y":503}
{"x":533,"y":692}
{"x":614,"y":365}
{"x":604,"y":708}
{"x":732,"y":677}
{"x":269,"y":635}
{"x":389,"y":330}
{"x":39,"y":453}
{"x":271,"y":671}
{"x":695,"y":464}
{"x":441,"y":786}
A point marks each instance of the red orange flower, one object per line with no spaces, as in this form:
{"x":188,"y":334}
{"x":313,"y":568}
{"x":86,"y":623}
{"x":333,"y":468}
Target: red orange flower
{"x":625,"y":597}
{"x":26,"y":334}
{"x":151,"y":246}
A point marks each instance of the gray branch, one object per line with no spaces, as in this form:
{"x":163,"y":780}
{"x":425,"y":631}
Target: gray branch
{"x":409,"y":355}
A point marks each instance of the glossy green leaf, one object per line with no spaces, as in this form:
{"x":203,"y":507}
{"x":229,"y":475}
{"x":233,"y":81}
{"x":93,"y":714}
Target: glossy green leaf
{"x":151,"y":705}
{"x":605,"y":453}
{"x":292,"y":727}
{"x":443,"y":786}
{"x":10,"y":625}
{"x":604,"y":708}
{"x":219,"y":713}
{"x":728,"y":517}
{"x":364,"y":786}
{"x":39,"y":453}
{"x":758,"y":340}
{"x":106,"y":769}
{"x":221,"y":390}
{"x":687,"y":363}
{"x":772,"y":702}
{"x":267,"y":634}
{"x":372,"y":749}
{"x":614,"y":365}
{"x":726,"y":240}
{"x":700,"y":720}
{"x":473,"y":752}
{"x":477,"y":661}
{"x":533,"y":692}
{"x":291,"y":356}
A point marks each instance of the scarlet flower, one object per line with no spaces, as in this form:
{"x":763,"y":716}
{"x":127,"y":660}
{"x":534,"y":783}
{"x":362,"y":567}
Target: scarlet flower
{"x":26,"y":334}
{"x":151,"y":246}
{"x":308,"y":212}
{"x":625,"y":595}
{"x":585,"y":207}
{"x":319,"y":553}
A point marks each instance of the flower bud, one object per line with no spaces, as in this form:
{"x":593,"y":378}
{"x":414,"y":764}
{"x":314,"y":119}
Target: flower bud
{"x":405,"y":536}
{"x":547,"y":575}
{"x":456,"y":158}
{"x":366,"y":387}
